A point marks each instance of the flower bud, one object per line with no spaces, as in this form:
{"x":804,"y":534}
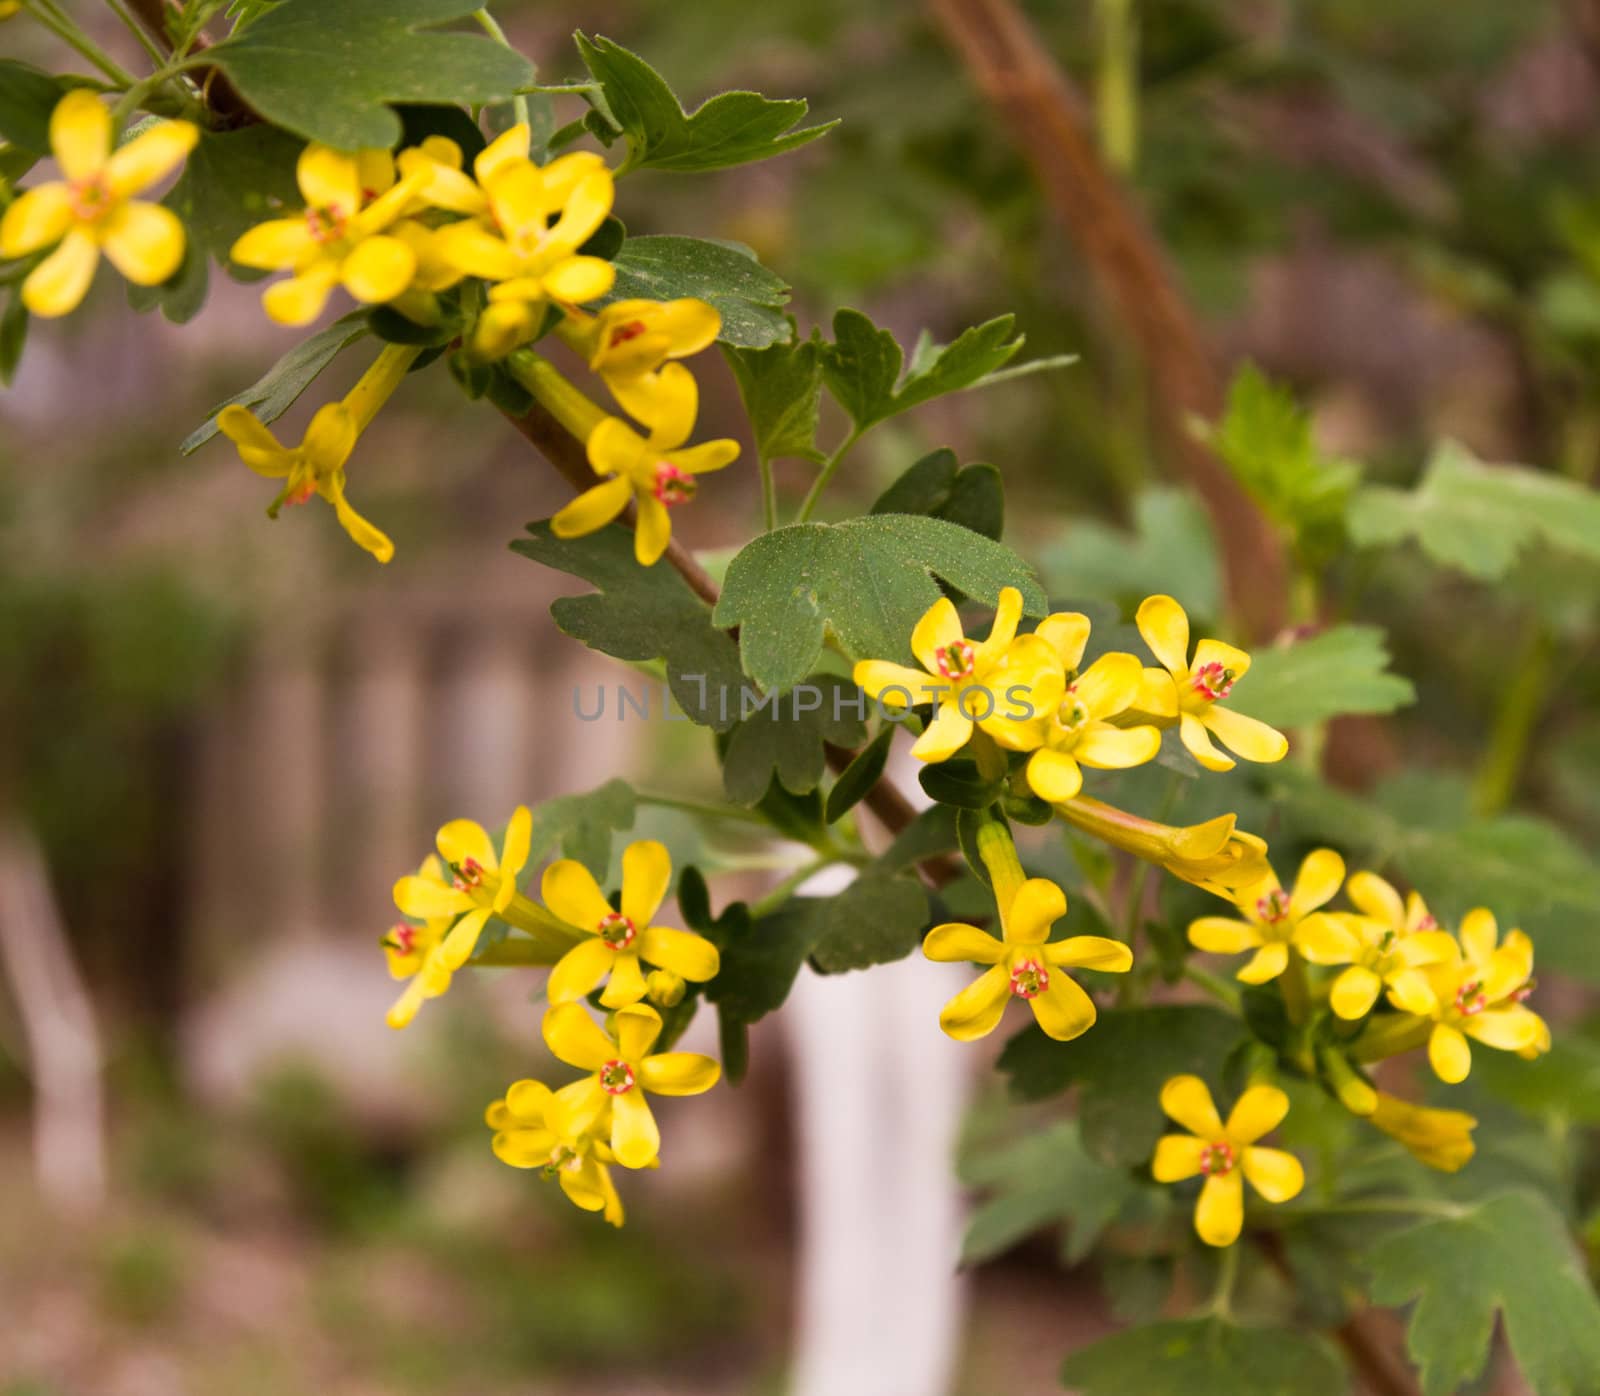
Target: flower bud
{"x":1441,"y":1139}
{"x":663,"y":988}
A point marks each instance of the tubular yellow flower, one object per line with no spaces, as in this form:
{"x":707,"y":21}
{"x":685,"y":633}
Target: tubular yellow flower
{"x":91,"y":210}
{"x":342,"y":238}
{"x":611,"y":944}
{"x":1024,"y":964}
{"x":414,"y":954}
{"x":1476,"y":995}
{"x":655,"y":473}
{"x":1225,"y":1154}
{"x":1441,"y":1139}
{"x":1275,"y":920}
{"x":317,"y":465}
{"x":532,"y":1130}
{"x":630,"y":340}
{"x":610,"y":1102}
{"x":1190,"y":693}
{"x":998,"y":685}
{"x":1215,"y":855}
{"x":1078,"y":732}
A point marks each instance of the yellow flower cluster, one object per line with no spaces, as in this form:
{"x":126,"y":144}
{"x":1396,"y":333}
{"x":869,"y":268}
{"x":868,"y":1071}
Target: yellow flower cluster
{"x":1025,"y":693}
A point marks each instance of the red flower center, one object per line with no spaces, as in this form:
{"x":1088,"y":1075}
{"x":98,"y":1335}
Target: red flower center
{"x":617,"y":931}
{"x":1212,"y":681}
{"x":1217,"y":1158}
{"x":1470,"y":998}
{"x":623,"y":333}
{"x":616,"y":1078}
{"x":1029,"y":979}
{"x":89,"y":198}
{"x":1273,"y":907}
{"x":674,"y":486}
{"x":468,"y":875}
{"x":403,"y":937}
{"x":326,"y":222}
{"x":956,"y":660}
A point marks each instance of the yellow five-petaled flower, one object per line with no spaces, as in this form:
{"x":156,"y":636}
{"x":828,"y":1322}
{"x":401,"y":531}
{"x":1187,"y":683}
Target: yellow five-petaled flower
{"x":1274,"y":920}
{"x":533,"y":1129}
{"x":91,"y":210}
{"x":1225,"y":1154}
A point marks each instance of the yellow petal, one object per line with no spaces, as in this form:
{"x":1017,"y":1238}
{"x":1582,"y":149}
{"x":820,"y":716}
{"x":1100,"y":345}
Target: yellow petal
{"x":457,"y":947}
{"x":37,"y":218}
{"x":516,"y":845}
{"x":1007,"y":615}
{"x":1253,"y":740}
{"x":1354,"y":992}
{"x":299,"y":299}
{"x":1192,"y":730}
{"x":527,"y":1101}
{"x":402,"y":1013}
{"x":375,"y":169}
{"x":1507,"y":1029}
{"x":652,"y":531}
{"x":58,"y":284}
{"x":569,"y":890}
{"x":144,"y":242}
{"x":635,"y":1139}
{"x":1054,"y":776}
{"x":1411,"y":992}
{"x":576,"y":1039}
{"x":666,"y":401}
{"x":939,"y":628}
{"x":678,"y":1073}
{"x":1109,"y":685}
{"x":894,"y":685}
{"x":946,"y":734}
{"x":1223,"y":935}
{"x":1260,"y":1110}
{"x":1267,"y":963}
{"x":80,"y":134}
{"x":1066,"y":632}
{"x":472,"y":249}
{"x":1479,"y":935}
{"x":1276,"y":1175}
{"x":1158,"y":696}
{"x":1426,"y":948}
{"x":706,"y":457}
{"x":627,"y":986}
{"x":1063,"y":1010}
{"x":614,"y":447}
{"x":582,"y":1186}
{"x":329,"y":179}
{"x":149,"y":156}
{"x":684,"y":953}
{"x":1329,"y":939}
{"x":576,"y":973}
{"x":976,"y":1011}
{"x":585,"y":209}
{"x":440,"y":181}
{"x":1216,"y":652}
{"x":1449,"y":1054}
{"x":579,"y":279}
{"x":1177,"y":1157}
{"x":1114,"y":748}
{"x":274,"y":245}
{"x":1090,"y":952}
{"x":242,"y":427}
{"x":462,"y":840}
{"x":593,"y":509}
{"x":690,"y":326}
{"x":508,"y":147}
{"x":1219,"y":1214}
{"x":1371,"y":894}
{"x":1187,"y":1100}
{"x":427,"y":900}
{"x":378,"y":269}
{"x":956,"y":943}
{"x":637,"y":1028}
{"x":565,"y":173}
{"x":363,"y":532}
{"x":1037,"y":905}
{"x":1165,"y":628}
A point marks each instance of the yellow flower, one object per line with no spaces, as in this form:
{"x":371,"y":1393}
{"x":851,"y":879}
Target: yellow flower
{"x":483,"y":882}
{"x":1389,"y":940}
{"x":630,"y":340}
{"x":1225,"y":1153}
{"x":1475,"y":995}
{"x":532,"y":1130}
{"x":1190,"y":693}
{"x":434,"y":169}
{"x":611,"y":943}
{"x":1026,"y":964}
{"x":1441,"y":1139}
{"x":1274,"y":919}
{"x":1215,"y":855}
{"x":998,"y":685}
{"x":414,"y":953}
{"x":655,"y":473}
{"x":611,"y":1101}
{"x":340,"y":239}
{"x":516,"y":244}
{"x":1078,"y":731}
{"x":90,"y":210}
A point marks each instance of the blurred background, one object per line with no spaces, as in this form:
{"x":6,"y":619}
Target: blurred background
{"x":222,"y":738}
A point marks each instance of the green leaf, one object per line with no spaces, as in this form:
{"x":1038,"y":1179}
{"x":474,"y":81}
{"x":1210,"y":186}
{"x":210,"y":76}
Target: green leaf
{"x":1206,"y":1357}
{"x":1342,"y":670}
{"x":27,"y":97}
{"x":1562,"y":1084}
{"x":1478,"y":517}
{"x":182,"y":294}
{"x":1042,"y":1179}
{"x":1171,"y":549}
{"x":781,"y":387}
{"x":330,"y":72}
{"x":959,"y":783}
{"x":931,"y":833}
{"x":1509,"y":1253}
{"x":868,"y":580}
{"x":233,"y":180}
{"x":13,"y":334}
{"x":863,"y":772}
{"x":583,"y":825}
{"x":732,"y":128}
{"x":785,"y":736}
{"x":726,"y":275}
{"x":760,"y":959}
{"x":940,"y":487}
{"x":274,"y":393}
{"x":862,"y":366}
{"x":877,"y":919}
{"x":728,"y":930}
{"x":1119,"y":1066}
{"x":641,"y":613}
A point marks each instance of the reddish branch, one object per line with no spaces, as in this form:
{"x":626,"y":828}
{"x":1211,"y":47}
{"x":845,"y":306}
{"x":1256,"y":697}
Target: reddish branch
{"x":1028,"y":90}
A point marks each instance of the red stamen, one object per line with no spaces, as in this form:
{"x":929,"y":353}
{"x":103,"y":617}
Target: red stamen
{"x":623,"y":333}
{"x":1029,"y":979}
{"x":957,"y":659}
{"x":674,"y":486}
{"x":1273,"y":907}
{"x":1217,"y":1158}
{"x":1212,"y":681}
{"x":89,"y":198}
{"x":616,"y":1077}
{"x":617,"y":931}
{"x":1470,"y":999}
